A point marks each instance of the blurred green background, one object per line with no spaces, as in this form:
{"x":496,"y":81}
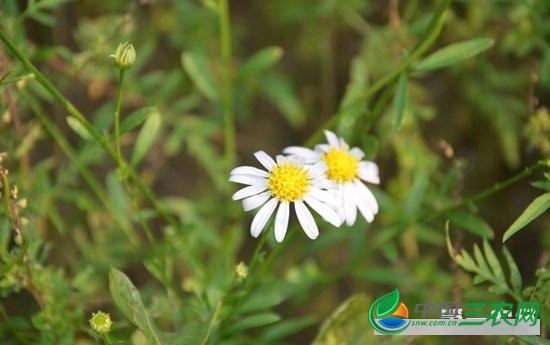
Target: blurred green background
{"x":293,"y":64}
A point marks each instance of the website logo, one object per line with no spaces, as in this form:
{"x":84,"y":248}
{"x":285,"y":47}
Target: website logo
{"x":388,"y":315}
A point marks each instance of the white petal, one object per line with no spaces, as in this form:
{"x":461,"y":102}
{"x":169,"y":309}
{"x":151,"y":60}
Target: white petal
{"x":324,"y":211}
{"x":367,"y":195}
{"x":265,"y":160}
{"x":308,"y":155}
{"x":255,"y":201}
{"x":322,"y":148}
{"x":325,"y":196}
{"x":280,"y":159}
{"x":317,"y":169}
{"x":248,"y":191}
{"x":357,"y":152}
{"x":368,"y":171}
{"x":261,"y":218}
{"x":248,"y":179}
{"x":332,"y":139}
{"x":306,"y":220}
{"x":323,"y":183}
{"x":350,"y":208}
{"x":363,"y":207}
{"x":281,"y":221}
{"x":246,"y":170}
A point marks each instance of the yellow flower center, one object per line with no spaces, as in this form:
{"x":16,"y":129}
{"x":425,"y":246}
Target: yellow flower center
{"x":288,"y":182}
{"x":342,"y":166}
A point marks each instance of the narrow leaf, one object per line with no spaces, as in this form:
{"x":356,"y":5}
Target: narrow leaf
{"x":533,"y":340}
{"x":136,"y":118}
{"x":515,"y":275}
{"x":197,"y":67}
{"x":253,"y":321}
{"x":493,"y":261}
{"x":481,"y":263}
{"x":146,"y":137}
{"x":260,"y":61}
{"x":471,"y":223}
{"x":535,"y":209}
{"x":128,"y":300}
{"x":400,"y":101}
{"x":78,"y":128}
{"x":454,"y":53}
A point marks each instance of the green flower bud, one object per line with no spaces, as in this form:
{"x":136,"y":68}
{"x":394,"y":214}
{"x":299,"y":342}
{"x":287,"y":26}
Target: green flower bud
{"x":101,"y":322}
{"x":242,"y":271}
{"x":125,"y":55}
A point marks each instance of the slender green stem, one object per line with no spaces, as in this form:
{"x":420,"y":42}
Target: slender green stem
{"x":227,"y":79}
{"x":96,"y":135}
{"x":117,"y":116}
{"x":89,"y":178}
{"x":212,"y":321}
{"x":430,"y":35}
{"x":106,"y":339}
{"x":497,"y":187}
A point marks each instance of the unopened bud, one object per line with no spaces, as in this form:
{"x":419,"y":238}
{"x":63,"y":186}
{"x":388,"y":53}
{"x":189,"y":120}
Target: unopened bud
{"x":101,"y":322}
{"x":125,"y":55}
{"x":242,"y":271}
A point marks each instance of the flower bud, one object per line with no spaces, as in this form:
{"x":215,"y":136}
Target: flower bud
{"x":125,"y":55}
{"x":101,"y":322}
{"x":242,"y":271}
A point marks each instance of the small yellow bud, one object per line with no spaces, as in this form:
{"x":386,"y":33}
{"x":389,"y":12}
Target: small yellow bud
{"x":101,"y":322}
{"x":242,"y":271}
{"x":125,"y":55}
{"x":22,"y":203}
{"x":14,"y":192}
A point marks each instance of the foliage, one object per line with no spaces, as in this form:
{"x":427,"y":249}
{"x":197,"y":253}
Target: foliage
{"x":114,"y":192}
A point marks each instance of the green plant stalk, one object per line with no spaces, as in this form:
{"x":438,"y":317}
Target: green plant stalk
{"x":106,"y":339}
{"x":227,"y":80}
{"x":429,"y":37}
{"x":117,"y":118}
{"x":89,"y":178}
{"x":96,"y":135}
{"x":212,"y":322}
{"x":497,"y":187}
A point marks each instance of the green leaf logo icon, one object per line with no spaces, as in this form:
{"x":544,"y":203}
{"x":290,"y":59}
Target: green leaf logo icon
{"x":386,"y":304}
{"x":383,"y":306}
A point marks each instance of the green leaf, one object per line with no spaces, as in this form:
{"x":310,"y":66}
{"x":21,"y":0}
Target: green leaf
{"x":285,"y":328}
{"x":533,"y":340}
{"x":260,"y":61}
{"x":400,"y":101}
{"x":493,"y":261}
{"x":383,"y":275}
{"x":454,"y":53}
{"x":280,"y":91}
{"x":146,"y":137}
{"x":386,"y":304}
{"x":78,"y":128}
{"x":471,"y":223}
{"x":535,"y":209}
{"x":348,"y":324}
{"x":136,"y":118}
{"x":466,"y":261}
{"x":128,"y":300}
{"x":197,"y":67}
{"x":481,"y":263}
{"x":515,"y":275}
{"x":253,"y":321}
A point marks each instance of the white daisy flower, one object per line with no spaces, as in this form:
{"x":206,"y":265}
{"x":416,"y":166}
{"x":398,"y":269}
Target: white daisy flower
{"x":287,"y":181}
{"x":345,"y":168}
